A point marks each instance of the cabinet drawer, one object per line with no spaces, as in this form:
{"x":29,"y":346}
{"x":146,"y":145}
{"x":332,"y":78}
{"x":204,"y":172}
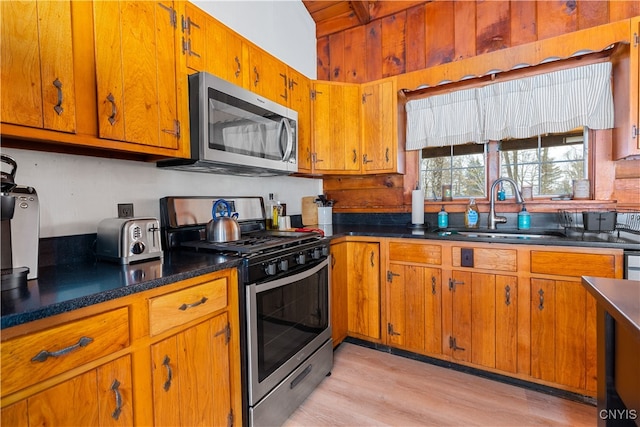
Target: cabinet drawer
{"x":489,"y":258}
{"x":32,"y":358}
{"x":415,"y":252}
{"x":177,"y":308}
{"x":573,"y":264}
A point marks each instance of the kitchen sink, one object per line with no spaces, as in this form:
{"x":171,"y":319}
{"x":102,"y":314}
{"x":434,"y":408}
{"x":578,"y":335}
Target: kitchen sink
{"x":504,"y":234}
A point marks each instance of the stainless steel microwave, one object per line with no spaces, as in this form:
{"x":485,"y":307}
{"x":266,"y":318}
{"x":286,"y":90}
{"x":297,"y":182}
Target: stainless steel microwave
{"x":234,"y":131}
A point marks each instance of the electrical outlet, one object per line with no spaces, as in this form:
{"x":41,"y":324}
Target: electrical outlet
{"x":466,"y":257}
{"x":125,"y":210}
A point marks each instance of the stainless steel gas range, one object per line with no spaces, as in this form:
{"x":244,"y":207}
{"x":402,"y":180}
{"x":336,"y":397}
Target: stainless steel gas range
{"x":285,"y":314}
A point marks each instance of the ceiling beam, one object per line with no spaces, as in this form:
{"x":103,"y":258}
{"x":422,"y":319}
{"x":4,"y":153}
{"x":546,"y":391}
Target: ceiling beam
{"x":361,"y":9}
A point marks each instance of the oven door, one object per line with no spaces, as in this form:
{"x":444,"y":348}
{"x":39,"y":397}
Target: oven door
{"x":288,"y":319}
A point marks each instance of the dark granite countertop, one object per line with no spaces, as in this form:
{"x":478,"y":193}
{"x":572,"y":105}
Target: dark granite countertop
{"x":575,"y":239}
{"x":66,"y":287}
{"x":620,"y":298}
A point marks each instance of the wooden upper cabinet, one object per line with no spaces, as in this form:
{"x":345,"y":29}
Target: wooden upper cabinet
{"x":379,"y":124}
{"x":193,"y":41}
{"x":267,"y":75}
{"x":226,"y":54}
{"x":336,"y":128}
{"x":626,"y":78}
{"x":299,"y":92}
{"x":136,"y":72}
{"x":37,"y":65}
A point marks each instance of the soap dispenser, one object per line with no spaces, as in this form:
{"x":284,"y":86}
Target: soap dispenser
{"x":443,"y":218}
{"x":524,"y":219}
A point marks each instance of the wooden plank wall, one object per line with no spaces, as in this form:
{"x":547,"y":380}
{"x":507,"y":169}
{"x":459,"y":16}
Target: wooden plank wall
{"x":439,"y":32}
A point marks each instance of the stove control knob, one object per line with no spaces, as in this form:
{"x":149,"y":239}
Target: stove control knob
{"x":301,"y":258}
{"x":316,"y":253}
{"x":270,"y":269}
{"x":137,"y":248}
{"x":283,"y":264}
{"x":325,"y":251}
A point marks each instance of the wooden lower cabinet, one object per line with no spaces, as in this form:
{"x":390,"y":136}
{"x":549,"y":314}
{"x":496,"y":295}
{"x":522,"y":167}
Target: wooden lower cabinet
{"x":363,"y":289}
{"x":563,"y":333}
{"x":483,"y":322}
{"x":339,"y":274}
{"x":414,"y":314}
{"x":191,"y":379}
{"x":521,"y":311}
{"x":101,"y":396}
{"x":182,"y":371}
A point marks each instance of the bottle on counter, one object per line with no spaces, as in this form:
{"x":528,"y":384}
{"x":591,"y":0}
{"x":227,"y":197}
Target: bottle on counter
{"x":501,"y":193}
{"x":471,"y":215}
{"x":276,"y":214}
{"x":443,"y":218}
{"x":271,"y":203}
{"x":524,"y":219}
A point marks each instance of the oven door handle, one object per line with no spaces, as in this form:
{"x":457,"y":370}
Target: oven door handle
{"x":265,"y":286}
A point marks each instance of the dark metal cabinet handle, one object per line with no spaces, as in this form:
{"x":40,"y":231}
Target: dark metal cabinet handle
{"x":257,"y":79}
{"x":186,"y":306}
{"x":541,"y":305}
{"x":114,"y":110}
{"x":372,"y":259}
{"x":166,"y":363}
{"x":115,"y":387}
{"x":507,"y":295}
{"x":433,"y":285}
{"x":44,"y":354}
{"x":355,"y":156}
{"x":386,"y":155}
{"x":333,"y":262}
{"x":58,"y":107}
{"x":286,"y":93}
{"x":238,"y":68}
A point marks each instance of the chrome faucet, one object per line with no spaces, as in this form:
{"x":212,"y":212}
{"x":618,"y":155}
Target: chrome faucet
{"x":493,"y":219}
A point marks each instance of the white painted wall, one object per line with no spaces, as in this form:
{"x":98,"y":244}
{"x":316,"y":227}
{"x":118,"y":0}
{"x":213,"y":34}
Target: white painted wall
{"x":76,"y":192}
{"x":283,"y":28}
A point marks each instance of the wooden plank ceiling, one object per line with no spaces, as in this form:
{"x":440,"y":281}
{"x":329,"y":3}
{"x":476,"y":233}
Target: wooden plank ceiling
{"x":332,"y":16}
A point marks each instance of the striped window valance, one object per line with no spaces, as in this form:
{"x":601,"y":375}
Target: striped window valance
{"x":546,"y":103}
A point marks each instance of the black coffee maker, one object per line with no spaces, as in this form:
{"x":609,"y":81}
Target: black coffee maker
{"x":20,"y":221}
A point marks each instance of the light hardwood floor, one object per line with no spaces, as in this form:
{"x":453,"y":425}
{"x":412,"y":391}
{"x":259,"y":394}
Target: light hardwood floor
{"x":373,"y":388}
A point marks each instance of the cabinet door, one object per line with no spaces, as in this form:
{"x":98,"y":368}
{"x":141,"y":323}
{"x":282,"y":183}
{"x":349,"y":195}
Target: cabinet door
{"x":560,"y":331}
{"x":379,"y":137}
{"x":336,"y":128}
{"x":299,"y":100}
{"x":193,"y":25}
{"x":191,"y":376}
{"x":37,"y":65}
{"x":363,"y":289}
{"x":136,"y":72}
{"x":339,"y":295}
{"x":268,"y":76}
{"x":99,"y":397}
{"x":458,"y":343}
{"x":413,"y":308}
{"x":225,"y":54}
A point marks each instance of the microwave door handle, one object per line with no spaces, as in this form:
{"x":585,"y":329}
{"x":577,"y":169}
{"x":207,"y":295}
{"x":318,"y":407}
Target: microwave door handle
{"x":289,"y":149}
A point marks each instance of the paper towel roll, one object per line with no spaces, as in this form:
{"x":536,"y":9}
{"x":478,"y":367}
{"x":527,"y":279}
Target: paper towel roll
{"x":417,"y":207}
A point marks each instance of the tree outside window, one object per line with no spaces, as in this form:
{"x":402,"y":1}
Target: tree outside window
{"x":548,"y":163}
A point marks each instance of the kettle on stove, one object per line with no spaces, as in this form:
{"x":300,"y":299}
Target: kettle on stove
{"x":223,"y":226}
{"x":20,"y":222}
